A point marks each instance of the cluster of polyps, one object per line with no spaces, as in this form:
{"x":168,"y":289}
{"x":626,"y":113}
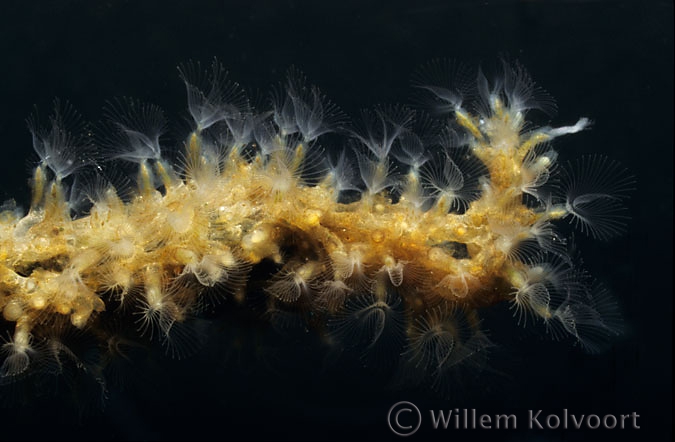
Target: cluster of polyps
{"x":388,"y":247}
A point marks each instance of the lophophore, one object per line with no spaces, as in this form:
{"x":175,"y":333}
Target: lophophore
{"x":387,"y":246}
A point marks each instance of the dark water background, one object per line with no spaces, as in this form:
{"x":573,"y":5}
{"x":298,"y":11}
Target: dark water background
{"x":611,"y":61}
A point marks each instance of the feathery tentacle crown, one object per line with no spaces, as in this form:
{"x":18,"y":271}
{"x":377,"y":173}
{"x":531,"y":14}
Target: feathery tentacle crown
{"x":388,"y":246}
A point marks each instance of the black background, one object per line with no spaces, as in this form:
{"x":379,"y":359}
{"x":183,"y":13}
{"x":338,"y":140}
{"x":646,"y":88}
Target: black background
{"x":611,"y":61}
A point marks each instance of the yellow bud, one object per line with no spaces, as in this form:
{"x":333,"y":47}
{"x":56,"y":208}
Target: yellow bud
{"x":13,"y":310}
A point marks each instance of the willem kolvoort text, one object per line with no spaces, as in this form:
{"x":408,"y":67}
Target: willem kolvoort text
{"x":470,"y":419}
